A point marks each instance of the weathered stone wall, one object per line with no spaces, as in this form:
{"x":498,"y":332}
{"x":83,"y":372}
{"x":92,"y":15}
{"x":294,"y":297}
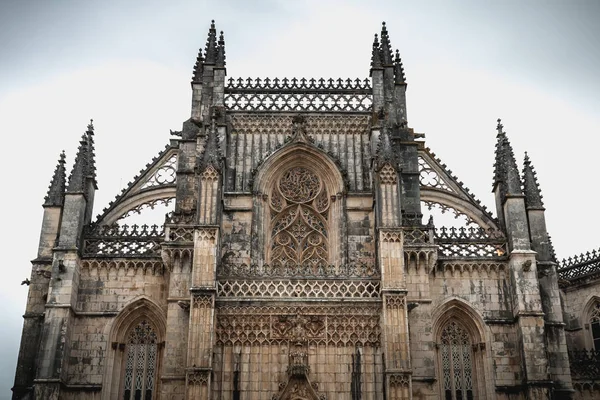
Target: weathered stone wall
{"x":576,"y":298}
{"x":110,"y":285}
{"x":478,"y":290}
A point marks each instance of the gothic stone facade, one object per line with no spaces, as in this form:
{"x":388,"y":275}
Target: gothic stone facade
{"x":297,"y":263}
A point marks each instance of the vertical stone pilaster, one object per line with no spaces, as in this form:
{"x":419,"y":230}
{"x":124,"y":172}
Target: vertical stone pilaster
{"x":391,"y":259}
{"x":394,"y":319}
{"x":202,"y":314}
{"x":205,"y":258}
{"x":396,"y":346}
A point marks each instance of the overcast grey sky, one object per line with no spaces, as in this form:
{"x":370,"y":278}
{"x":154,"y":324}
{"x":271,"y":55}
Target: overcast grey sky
{"x":128,"y":64}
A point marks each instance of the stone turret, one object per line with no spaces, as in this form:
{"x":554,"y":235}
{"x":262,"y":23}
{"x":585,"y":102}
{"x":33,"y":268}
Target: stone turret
{"x":38,"y":282}
{"x":208,"y":90}
{"x":65,"y":273}
{"x":526,"y":300}
{"x":389,"y":116}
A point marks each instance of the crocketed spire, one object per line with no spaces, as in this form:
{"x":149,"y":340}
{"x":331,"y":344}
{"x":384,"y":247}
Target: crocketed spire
{"x":56,"y":190}
{"x":499,"y":164}
{"x":198,"y":68}
{"x":400,"y":78}
{"x":221,"y":51}
{"x":376,"y":54}
{"x":85,"y":165}
{"x":533,"y":195}
{"x":506,"y":172}
{"x":210,"y":52}
{"x":386,"y":48}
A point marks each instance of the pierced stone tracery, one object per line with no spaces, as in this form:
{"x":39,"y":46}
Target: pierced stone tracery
{"x":299,"y":219}
{"x":457,"y":363}
{"x":141,"y":362}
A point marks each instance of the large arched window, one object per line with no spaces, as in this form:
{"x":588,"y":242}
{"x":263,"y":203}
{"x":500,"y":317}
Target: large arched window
{"x":456,"y":352}
{"x":298,"y":216}
{"x":139,"y":379}
{"x":299,"y":205}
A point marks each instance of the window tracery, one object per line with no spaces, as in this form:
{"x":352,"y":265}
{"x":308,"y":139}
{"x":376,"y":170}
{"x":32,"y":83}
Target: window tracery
{"x":457,"y":363}
{"x":299,"y":205}
{"x":140,"y":364}
{"x":595,"y":325}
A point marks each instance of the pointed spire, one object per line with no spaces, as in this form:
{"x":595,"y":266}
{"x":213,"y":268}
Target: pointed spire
{"x":77,"y":176}
{"x":533,"y":195}
{"x":506,"y":172}
{"x":376,"y":54}
{"x":498,"y":164}
{"x":56,"y":190}
{"x":91,"y":154}
{"x":399,"y":70}
{"x":386,"y":48}
{"x":84,"y":166}
{"x":198,"y":68}
{"x":210,"y":52}
{"x":221,"y":51}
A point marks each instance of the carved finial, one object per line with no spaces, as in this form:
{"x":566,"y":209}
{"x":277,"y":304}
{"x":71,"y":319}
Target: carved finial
{"x":499,"y":126}
{"x":376,"y":54}
{"x":56,"y":190}
{"x":221,"y":51}
{"x":210,"y":52}
{"x":533,"y":195}
{"x":386,"y":48}
{"x":400,"y":78}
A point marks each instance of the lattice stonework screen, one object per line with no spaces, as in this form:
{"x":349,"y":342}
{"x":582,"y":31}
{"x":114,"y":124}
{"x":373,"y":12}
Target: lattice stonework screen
{"x":457,"y":363}
{"x":299,"y":206}
{"x":140,"y":366}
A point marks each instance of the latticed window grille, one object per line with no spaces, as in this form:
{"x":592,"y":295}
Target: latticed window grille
{"x":140,"y":365}
{"x":299,"y":206}
{"x":457,"y":363}
{"x":595,"y":326}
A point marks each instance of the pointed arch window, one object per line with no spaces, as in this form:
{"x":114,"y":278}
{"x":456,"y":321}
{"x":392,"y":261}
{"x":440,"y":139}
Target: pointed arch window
{"x":456,"y":353}
{"x":595,"y":325}
{"x":299,"y":205}
{"x":139,"y":380}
